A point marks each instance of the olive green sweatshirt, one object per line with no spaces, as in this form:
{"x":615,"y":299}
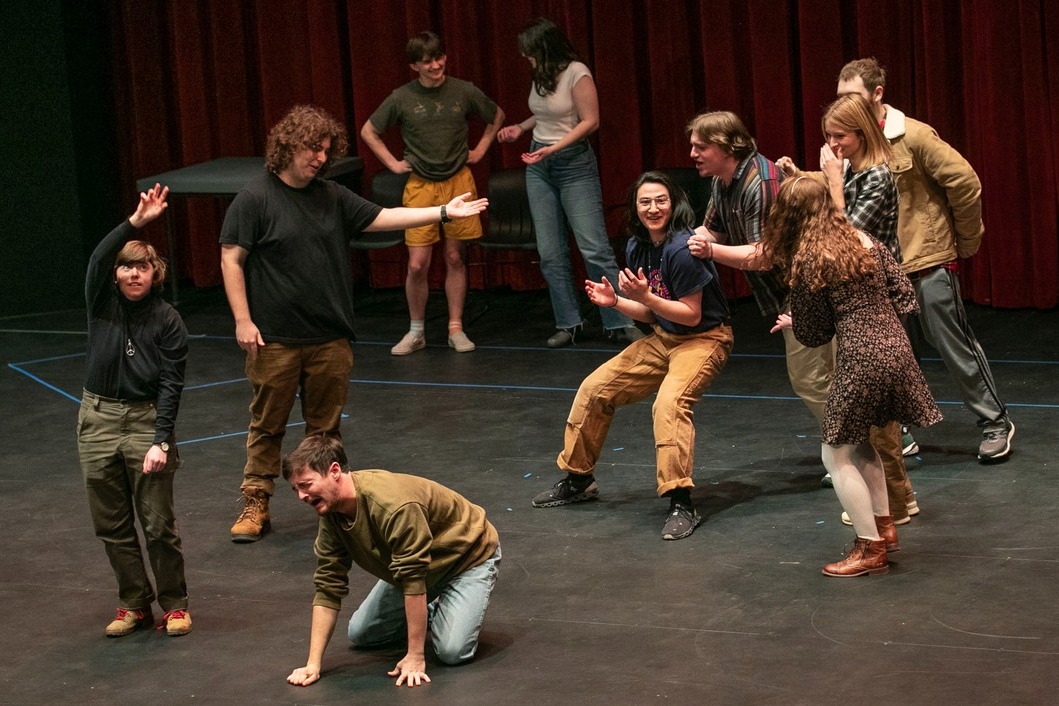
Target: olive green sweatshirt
{"x":408,"y":531}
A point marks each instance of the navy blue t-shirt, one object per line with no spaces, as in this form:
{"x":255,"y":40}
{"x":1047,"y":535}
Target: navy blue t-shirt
{"x":674,"y":273}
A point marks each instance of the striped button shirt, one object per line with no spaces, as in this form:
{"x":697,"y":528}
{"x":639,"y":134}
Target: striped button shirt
{"x":736,"y":215}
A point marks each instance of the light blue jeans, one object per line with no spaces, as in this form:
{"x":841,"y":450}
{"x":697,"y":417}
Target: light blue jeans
{"x":564,"y":190}
{"x":455,"y":620}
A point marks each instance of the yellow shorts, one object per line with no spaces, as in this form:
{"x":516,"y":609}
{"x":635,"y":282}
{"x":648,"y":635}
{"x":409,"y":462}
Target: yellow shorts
{"x":419,"y":193}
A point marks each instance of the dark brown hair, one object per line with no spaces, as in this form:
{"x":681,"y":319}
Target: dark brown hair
{"x":317,"y":452}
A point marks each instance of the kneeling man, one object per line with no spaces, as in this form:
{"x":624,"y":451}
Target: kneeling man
{"x":435,"y":553}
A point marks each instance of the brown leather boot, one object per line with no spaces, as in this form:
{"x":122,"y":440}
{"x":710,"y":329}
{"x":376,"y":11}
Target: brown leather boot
{"x":888,"y":532}
{"x":253,"y":521}
{"x":866,"y":557}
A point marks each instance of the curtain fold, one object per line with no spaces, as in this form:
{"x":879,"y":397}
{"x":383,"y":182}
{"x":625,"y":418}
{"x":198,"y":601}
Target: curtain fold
{"x":199,"y":80}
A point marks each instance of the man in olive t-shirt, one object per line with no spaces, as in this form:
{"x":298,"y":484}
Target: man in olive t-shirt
{"x":432,"y":111}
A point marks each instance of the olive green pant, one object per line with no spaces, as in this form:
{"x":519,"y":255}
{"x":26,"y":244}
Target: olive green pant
{"x":112,"y":439}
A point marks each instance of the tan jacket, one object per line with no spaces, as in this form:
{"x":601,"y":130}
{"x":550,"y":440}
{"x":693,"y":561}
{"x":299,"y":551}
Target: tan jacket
{"x":940,"y":212}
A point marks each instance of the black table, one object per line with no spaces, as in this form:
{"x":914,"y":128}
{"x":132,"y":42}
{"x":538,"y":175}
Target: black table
{"x":226,"y":177}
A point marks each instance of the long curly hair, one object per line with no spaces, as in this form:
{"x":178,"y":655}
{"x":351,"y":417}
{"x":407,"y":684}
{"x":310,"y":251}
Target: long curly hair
{"x":545,"y":42}
{"x":681,"y":215}
{"x":809,"y":241}
{"x":303,"y":127}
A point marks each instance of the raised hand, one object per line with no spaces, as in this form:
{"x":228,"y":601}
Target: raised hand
{"x":152,"y":205}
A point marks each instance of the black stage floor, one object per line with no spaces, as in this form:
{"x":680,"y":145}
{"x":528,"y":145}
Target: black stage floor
{"x":592,"y":607}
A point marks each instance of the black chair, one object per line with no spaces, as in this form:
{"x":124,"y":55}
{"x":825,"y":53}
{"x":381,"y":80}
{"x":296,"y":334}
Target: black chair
{"x":696,"y":187}
{"x":510,"y":225}
{"x":386,"y":190}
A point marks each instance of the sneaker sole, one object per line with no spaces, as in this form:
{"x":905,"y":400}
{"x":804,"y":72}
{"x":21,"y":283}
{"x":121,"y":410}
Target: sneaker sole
{"x":696,"y":523}
{"x":579,"y":498}
{"x":1004,"y":452}
{"x":911,"y":450}
{"x":248,"y":538}
{"x":880,"y":570}
{"x":177,"y":633}
{"x":461,"y":349}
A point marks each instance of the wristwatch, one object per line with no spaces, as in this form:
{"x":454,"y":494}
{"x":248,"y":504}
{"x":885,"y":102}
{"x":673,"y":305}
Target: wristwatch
{"x":444,"y":215}
{"x":164,"y":446}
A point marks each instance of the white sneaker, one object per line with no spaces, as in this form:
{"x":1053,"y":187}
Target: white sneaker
{"x":411,"y":343}
{"x":459,"y":342}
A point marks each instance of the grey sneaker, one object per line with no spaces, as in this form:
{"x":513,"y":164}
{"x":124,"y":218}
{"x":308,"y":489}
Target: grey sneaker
{"x":565,"y":492}
{"x":625,"y":335}
{"x":909,"y":447}
{"x":411,"y":343}
{"x":681,"y":522}
{"x":563,"y":337}
{"x":996,"y":442}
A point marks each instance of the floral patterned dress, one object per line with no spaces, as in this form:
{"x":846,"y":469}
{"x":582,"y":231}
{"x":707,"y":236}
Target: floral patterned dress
{"x":877,"y":378}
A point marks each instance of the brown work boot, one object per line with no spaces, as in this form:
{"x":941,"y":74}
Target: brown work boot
{"x":253,"y":521}
{"x":888,"y":532}
{"x":126,"y":621}
{"x":866,"y":557}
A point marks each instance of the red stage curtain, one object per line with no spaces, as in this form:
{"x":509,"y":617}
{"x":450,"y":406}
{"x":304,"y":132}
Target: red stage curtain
{"x":199,"y":80}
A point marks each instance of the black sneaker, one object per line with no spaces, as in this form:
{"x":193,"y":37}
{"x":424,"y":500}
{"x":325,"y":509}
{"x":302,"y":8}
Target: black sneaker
{"x":681,"y":522}
{"x":624,"y":336}
{"x":996,"y":442}
{"x":565,"y":492}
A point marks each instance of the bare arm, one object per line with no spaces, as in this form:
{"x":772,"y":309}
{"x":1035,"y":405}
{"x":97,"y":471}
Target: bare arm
{"x":833,"y":167}
{"x":324,"y":620}
{"x":411,"y":670}
{"x":402,"y":218}
{"x":246,"y":333}
{"x":686,"y":311}
{"x":373,"y":139}
{"x":476,"y":155}
{"x":512,"y":132}
{"x":602,"y":294}
{"x":586,"y":101}
{"x":741,"y":257}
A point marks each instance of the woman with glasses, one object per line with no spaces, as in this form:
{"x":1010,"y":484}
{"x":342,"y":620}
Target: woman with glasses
{"x":680,"y":296}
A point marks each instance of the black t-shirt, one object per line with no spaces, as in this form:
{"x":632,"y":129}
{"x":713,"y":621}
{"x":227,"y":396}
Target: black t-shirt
{"x":673,"y":273}
{"x":299,"y":284}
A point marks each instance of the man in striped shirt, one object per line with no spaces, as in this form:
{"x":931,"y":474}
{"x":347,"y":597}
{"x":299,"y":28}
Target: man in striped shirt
{"x":745,"y":184}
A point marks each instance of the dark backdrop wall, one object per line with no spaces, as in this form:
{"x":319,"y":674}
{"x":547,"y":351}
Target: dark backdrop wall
{"x":195,"y":80}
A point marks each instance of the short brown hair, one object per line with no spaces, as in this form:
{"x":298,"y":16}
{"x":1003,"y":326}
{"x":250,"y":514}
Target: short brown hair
{"x":724,"y":129}
{"x":870,"y":71}
{"x":137,"y":251}
{"x":317,"y":452}
{"x":303,"y":127}
{"x":425,"y":44}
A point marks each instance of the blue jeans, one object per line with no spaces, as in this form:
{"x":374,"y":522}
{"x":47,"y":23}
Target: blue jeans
{"x":455,"y":620}
{"x":564,"y":189}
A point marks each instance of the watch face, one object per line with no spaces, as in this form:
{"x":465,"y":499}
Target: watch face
{"x":164,"y":446}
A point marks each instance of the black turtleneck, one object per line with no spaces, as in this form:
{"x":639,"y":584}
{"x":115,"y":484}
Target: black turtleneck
{"x":149,"y":328}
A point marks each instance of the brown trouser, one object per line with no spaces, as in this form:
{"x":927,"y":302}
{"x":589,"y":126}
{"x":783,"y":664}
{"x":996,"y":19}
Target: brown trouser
{"x":319,"y":374}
